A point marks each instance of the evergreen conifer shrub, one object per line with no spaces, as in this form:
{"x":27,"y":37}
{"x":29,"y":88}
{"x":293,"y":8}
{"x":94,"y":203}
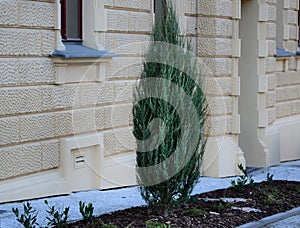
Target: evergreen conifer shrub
{"x":169,"y":113}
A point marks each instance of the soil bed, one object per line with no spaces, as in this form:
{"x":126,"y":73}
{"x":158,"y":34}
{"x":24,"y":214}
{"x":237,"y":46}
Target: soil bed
{"x":268,"y":198}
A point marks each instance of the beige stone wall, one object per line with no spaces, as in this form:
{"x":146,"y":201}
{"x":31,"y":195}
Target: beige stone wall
{"x":39,"y":118}
{"x":129,"y":24}
{"x":270,"y":62}
{"x":286,"y":96}
{"x":213,"y":28}
{"x":27,"y":134}
{"x":283,"y":97}
{"x":35,"y":113}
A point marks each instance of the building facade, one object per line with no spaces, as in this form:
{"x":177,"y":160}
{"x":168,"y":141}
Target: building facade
{"x":65,"y":108}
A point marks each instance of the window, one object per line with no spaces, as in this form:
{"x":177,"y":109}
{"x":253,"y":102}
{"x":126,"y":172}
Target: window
{"x":159,"y":7}
{"x":159,"y":10}
{"x":71,"y":20}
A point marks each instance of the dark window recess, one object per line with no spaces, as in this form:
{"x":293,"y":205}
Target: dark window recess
{"x":71,"y":20}
{"x":159,"y":10}
{"x":299,"y":25}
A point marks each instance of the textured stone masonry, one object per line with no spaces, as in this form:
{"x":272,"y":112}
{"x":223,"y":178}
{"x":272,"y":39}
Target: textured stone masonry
{"x":221,"y":8}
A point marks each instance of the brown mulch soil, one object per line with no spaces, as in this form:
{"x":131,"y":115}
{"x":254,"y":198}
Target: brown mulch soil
{"x":279,"y":196}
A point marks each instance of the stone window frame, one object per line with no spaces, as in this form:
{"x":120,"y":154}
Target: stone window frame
{"x":94,"y":24}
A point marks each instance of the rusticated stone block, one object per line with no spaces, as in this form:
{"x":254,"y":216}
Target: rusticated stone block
{"x":117,"y":115}
{"x":117,"y":20}
{"x":295,"y":107}
{"x":63,"y":123}
{"x":271,"y":48}
{"x":57,"y":97}
{"x":20,"y":100}
{"x":272,"y":11}
{"x":124,"y":67}
{"x":118,"y":140}
{"x":292,"y":17}
{"x":213,"y":47}
{"x":48,"y":42}
{"x":271,"y":30}
{"x":209,"y":26}
{"x":292,"y":63}
{"x":84,"y":120}
{"x":291,"y":92}
{"x":100,"y":120}
{"x":36,"y":70}
{"x":140,"y":22}
{"x":124,"y":91}
{"x":272,"y":81}
{"x":291,"y":45}
{"x":20,"y":42}
{"x":271,"y":115}
{"x":218,"y":125}
{"x":126,"y":43}
{"x":270,"y":64}
{"x":8,"y":12}
{"x":36,"y":127}
{"x":280,"y":94}
{"x":97,"y":93}
{"x":9,"y":71}
{"x":283,"y":109}
{"x":293,"y":32}
{"x":210,"y":7}
{"x":36,"y":14}
{"x":270,"y":99}
{"x":9,"y":131}
{"x":217,"y":86}
{"x":216,"y":67}
{"x":50,"y":154}
{"x":133,"y":4}
{"x":293,"y":4}
{"x":219,"y":105}
{"x":20,"y":160}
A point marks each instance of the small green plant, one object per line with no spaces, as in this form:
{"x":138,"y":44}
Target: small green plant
{"x":28,"y":218}
{"x":86,"y":211}
{"x":57,"y":218}
{"x":271,"y":200}
{"x":155,"y":224}
{"x":194,"y":212}
{"x":242,"y":180}
{"x":222,"y":206}
{"x":269,"y":178}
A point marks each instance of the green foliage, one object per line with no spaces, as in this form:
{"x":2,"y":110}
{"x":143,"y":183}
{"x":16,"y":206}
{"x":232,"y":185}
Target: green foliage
{"x":57,"y":218}
{"x":222,"y":206}
{"x":86,"y":211}
{"x":242,"y":180}
{"x":155,"y":224}
{"x":28,"y":218}
{"x":271,"y":200}
{"x":166,"y":73}
{"x":194,"y":212}
{"x":108,"y":226}
{"x":269,"y":178}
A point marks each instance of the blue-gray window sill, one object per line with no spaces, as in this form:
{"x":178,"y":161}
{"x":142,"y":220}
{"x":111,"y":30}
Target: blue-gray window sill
{"x":280,"y":53}
{"x":75,"y":51}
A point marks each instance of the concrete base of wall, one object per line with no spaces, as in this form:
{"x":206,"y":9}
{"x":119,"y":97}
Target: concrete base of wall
{"x":83,"y":167}
{"x":222,"y":157}
{"x":289,"y":129}
{"x":273,"y":145}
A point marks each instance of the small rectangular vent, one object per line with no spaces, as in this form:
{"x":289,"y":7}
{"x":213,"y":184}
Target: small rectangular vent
{"x":79,"y":160}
